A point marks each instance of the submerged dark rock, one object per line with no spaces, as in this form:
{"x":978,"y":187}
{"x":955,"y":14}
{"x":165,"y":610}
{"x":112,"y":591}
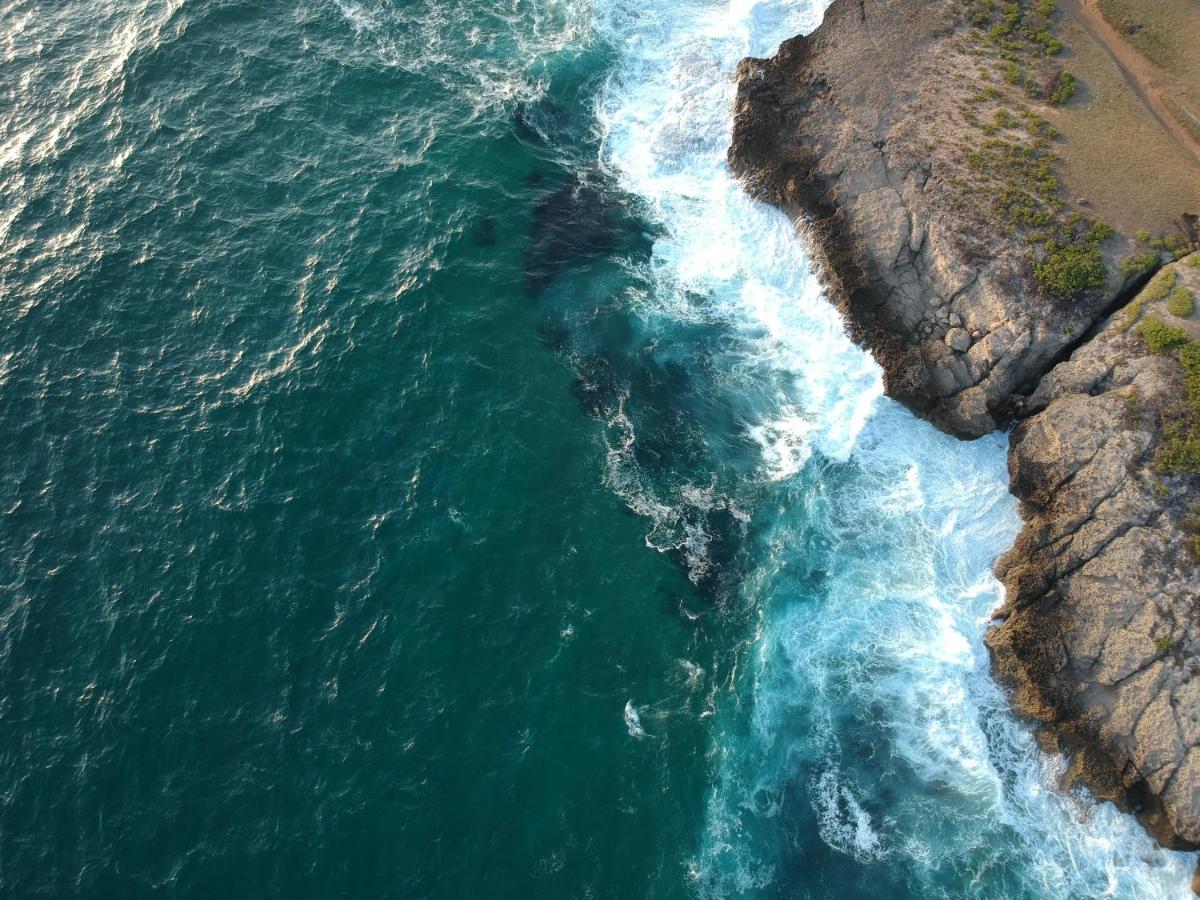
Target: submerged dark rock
{"x":484,"y":233}
{"x":571,"y":223}
{"x":596,"y":386}
{"x":541,"y":120}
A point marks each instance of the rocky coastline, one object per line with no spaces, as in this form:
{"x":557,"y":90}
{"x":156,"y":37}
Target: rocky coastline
{"x":913,"y":143}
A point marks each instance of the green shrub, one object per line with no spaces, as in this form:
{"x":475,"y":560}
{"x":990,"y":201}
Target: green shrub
{"x":1069,"y":269}
{"x":1064,"y":88}
{"x":1139,"y":263}
{"x":983,"y":94}
{"x":981,"y":12}
{"x":1163,"y":644}
{"x":1038,"y":126}
{"x":1004,"y":119}
{"x":1189,"y":358}
{"x":1160,"y":286}
{"x":1179,"y":450}
{"x":1160,"y":337}
{"x":1181,"y":303}
{"x":1012,"y":73}
{"x":1071,"y":261}
{"x":1179,"y":454}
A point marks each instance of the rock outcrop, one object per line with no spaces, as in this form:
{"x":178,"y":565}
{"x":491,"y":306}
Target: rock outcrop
{"x":855,"y":131}
{"x":1100,"y":632}
{"x":858,"y":133}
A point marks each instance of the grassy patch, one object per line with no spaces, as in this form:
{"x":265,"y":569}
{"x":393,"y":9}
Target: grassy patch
{"x":1063,"y":88}
{"x":1014,"y":184}
{"x":1161,"y":337}
{"x":1179,"y":450}
{"x":1140,"y":263}
{"x":1128,"y":17}
{"x":1159,"y":287}
{"x":1181,"y":303}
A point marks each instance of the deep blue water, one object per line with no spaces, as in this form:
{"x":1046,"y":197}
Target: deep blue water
{"x":426,"y":474}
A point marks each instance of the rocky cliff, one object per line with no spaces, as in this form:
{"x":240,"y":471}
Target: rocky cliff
{"x":909,"y":141}
{"x":1100,"y":632}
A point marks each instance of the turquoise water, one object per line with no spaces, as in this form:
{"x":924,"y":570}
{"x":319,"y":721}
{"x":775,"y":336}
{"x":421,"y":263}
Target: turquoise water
{"x":426,"y":474}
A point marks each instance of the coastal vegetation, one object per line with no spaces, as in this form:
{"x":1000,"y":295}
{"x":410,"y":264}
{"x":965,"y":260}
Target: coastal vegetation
{"x":1179,"y":449}
{"x":1065,"y":86}
{"x":1182,"y":303}
{"x":1140,"y":263}
{"x":1163,"y":243}
{"x":1159,"y":287}
{"x":1161,"y":337}
{"x":1015,"y":166}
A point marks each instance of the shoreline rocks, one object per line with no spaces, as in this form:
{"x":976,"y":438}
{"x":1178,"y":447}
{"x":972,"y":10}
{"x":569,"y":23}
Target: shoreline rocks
{"x":857,"y":132}
{"x":1100,"y":632}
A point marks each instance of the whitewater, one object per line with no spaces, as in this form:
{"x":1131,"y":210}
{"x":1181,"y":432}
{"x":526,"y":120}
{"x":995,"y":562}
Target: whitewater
{"x":863,"y":708}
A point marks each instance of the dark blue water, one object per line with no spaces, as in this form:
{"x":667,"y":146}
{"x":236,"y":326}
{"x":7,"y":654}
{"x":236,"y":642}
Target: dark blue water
{"x":426,"y":474}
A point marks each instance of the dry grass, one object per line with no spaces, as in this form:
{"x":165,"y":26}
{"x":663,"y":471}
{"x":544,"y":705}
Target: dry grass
{"x":1167,"y":33}
{"x":1116,"y":155}
{"x":1186,"y":115}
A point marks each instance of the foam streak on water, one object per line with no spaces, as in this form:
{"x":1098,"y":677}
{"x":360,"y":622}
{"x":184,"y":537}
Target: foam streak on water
{"x":875,"y":725}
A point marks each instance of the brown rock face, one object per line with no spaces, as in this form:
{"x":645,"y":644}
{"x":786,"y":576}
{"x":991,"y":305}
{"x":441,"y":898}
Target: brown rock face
{"x":1100,"y":633}
{"x":853,"y":131}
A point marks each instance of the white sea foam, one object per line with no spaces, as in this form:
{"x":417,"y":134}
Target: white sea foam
{"x":418,"y":37}
{"x":666,"y":129}
{"x":633,"y":722}
{"x":843,"y":823}
{"x":885,"y":639}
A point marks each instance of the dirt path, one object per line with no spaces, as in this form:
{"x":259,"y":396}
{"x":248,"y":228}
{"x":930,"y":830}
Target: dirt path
{"x":1145,"y":79}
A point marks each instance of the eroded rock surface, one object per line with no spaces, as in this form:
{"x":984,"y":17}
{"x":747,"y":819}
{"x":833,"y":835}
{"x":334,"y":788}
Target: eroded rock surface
{"x":1101,"y":629}
{"x":855,"y":132}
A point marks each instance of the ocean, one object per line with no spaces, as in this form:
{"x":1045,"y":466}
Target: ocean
{"x":426,"y":473}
